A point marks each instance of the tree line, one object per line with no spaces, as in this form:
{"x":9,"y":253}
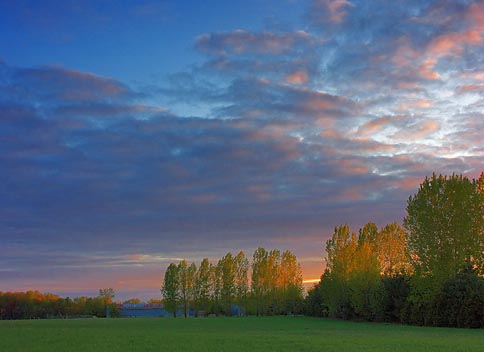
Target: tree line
{"x":274,"y":285}
{"x":428,"y":272}
{"x":36,"y":305}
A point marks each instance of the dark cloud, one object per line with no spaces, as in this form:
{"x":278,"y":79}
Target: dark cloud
{"x":57,"y":85}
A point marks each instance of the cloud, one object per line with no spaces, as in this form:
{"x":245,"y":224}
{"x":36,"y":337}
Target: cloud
{"x":241,"y":41}
{"x":333,"y":11}
{"x":62,"y":84}
{"x":272,"y":140}
{"x":297,"y":77}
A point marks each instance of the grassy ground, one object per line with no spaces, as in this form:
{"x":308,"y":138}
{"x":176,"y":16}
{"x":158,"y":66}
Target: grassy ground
{"x":230,"y":334}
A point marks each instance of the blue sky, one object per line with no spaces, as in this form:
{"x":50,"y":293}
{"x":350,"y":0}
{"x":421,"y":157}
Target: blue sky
{"x":136,"y":134}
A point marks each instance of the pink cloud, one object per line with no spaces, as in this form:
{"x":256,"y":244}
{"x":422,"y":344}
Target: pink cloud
{"x":418,"y":131}
{"x":405,"y":54}
{"x":336,"y":9}
{"x":240,"y":41}
{"x":298,"y":77}
{"x":374,"y":126}
{"x":453,"y":43}
{"x":476,"y":14}
{"x":416,"y":104}
{"x":470,"y":88}
{"x":426,"y":69}
{"x":476,"y":75}
{"x":352,"y":166}
{"x":447,"y":44}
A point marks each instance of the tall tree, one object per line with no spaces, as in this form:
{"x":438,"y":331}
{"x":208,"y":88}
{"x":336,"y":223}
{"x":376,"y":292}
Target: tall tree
{"x":291,"y":282}
{"x":203,"y":286}
{"x":259,"y":278}
{"x":170,"y":289}
{"x":445,"y":226}
{"x":186,"y":276}
{"x":227,"y":269}
{"x":273,"y":299}
{"x":241,"y":280}
{"x":107,"y":295}
{"x":392,"y":250}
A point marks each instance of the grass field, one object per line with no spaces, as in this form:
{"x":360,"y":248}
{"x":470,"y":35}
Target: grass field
{"x":230,"y":334}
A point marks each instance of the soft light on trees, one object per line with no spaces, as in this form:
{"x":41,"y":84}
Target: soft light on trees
{"x":170,"y":289}
{"x":445,"y":226}
{"x":186,"y":277}
{"x":203,"y":286}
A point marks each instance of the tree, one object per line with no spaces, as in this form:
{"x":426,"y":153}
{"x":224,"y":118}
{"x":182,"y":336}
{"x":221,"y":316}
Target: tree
{"x":291,"y":282}
{"x":392,"y":250}
{"x":241,"y":280}
{"x":203,"y":286}
{"x":445,"y":226}
{"x":107,"y":294}
{"x":186,"y":277}
{"x":259,"y":278}
{"x":216,"y":285}
{"x":133,"y":301}
{"x":227,"y":269}
{"x":170,"y":289}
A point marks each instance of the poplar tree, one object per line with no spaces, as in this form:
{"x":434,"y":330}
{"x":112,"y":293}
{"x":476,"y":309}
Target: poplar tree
{"x":445,"y":226}
{"x":186,"y":276}
{"x":241,"y":280}
{"x":170,"y":289}
{"x":227,"y":269}
{"x":203,"y":286}
{"x":259,"y":278}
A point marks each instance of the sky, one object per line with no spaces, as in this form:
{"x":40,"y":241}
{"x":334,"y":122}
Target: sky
{"x":137,"y":133}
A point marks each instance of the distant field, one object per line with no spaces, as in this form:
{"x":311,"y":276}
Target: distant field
{"x":230,"y":334}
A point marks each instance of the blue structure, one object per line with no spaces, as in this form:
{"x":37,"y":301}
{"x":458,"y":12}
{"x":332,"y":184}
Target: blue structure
{"x":132,"y":310}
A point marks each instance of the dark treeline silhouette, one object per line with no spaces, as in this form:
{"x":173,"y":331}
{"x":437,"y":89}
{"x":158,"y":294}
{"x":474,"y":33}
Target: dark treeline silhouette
{"x":36,"y":305}
{"x":430,"y":272}
{"x":223,"y":288}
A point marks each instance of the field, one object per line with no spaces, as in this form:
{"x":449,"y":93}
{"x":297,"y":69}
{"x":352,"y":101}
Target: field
{"x":230,"y":334}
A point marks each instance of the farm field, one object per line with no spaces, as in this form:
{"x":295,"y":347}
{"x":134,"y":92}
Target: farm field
{"x":230,"y":334}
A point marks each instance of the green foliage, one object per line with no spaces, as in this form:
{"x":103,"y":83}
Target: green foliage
{"x":445,"y":226}
{"x":431,"y":275}
{"x":203,"y":286}
{"x":395,"y":293}
{"x":35,"y":305}
{"x":241,"y":280}
{"x":461,"y":302}
{"x":277,"y":286}
{"x":170,"y":289}
{"x":186,"y":285}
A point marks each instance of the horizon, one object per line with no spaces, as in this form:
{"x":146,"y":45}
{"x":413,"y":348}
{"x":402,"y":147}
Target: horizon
{"x":138,"y":134}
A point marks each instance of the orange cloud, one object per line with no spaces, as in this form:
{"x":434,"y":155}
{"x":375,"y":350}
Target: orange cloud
{"x":298,"y":77}
{"x":416,"y":104}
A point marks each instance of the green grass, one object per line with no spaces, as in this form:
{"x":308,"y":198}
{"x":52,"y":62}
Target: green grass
{"x":230,"y":334}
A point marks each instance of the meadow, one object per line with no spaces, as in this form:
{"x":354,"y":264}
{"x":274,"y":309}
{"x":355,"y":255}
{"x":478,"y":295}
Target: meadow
{"x":230,"y":334}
